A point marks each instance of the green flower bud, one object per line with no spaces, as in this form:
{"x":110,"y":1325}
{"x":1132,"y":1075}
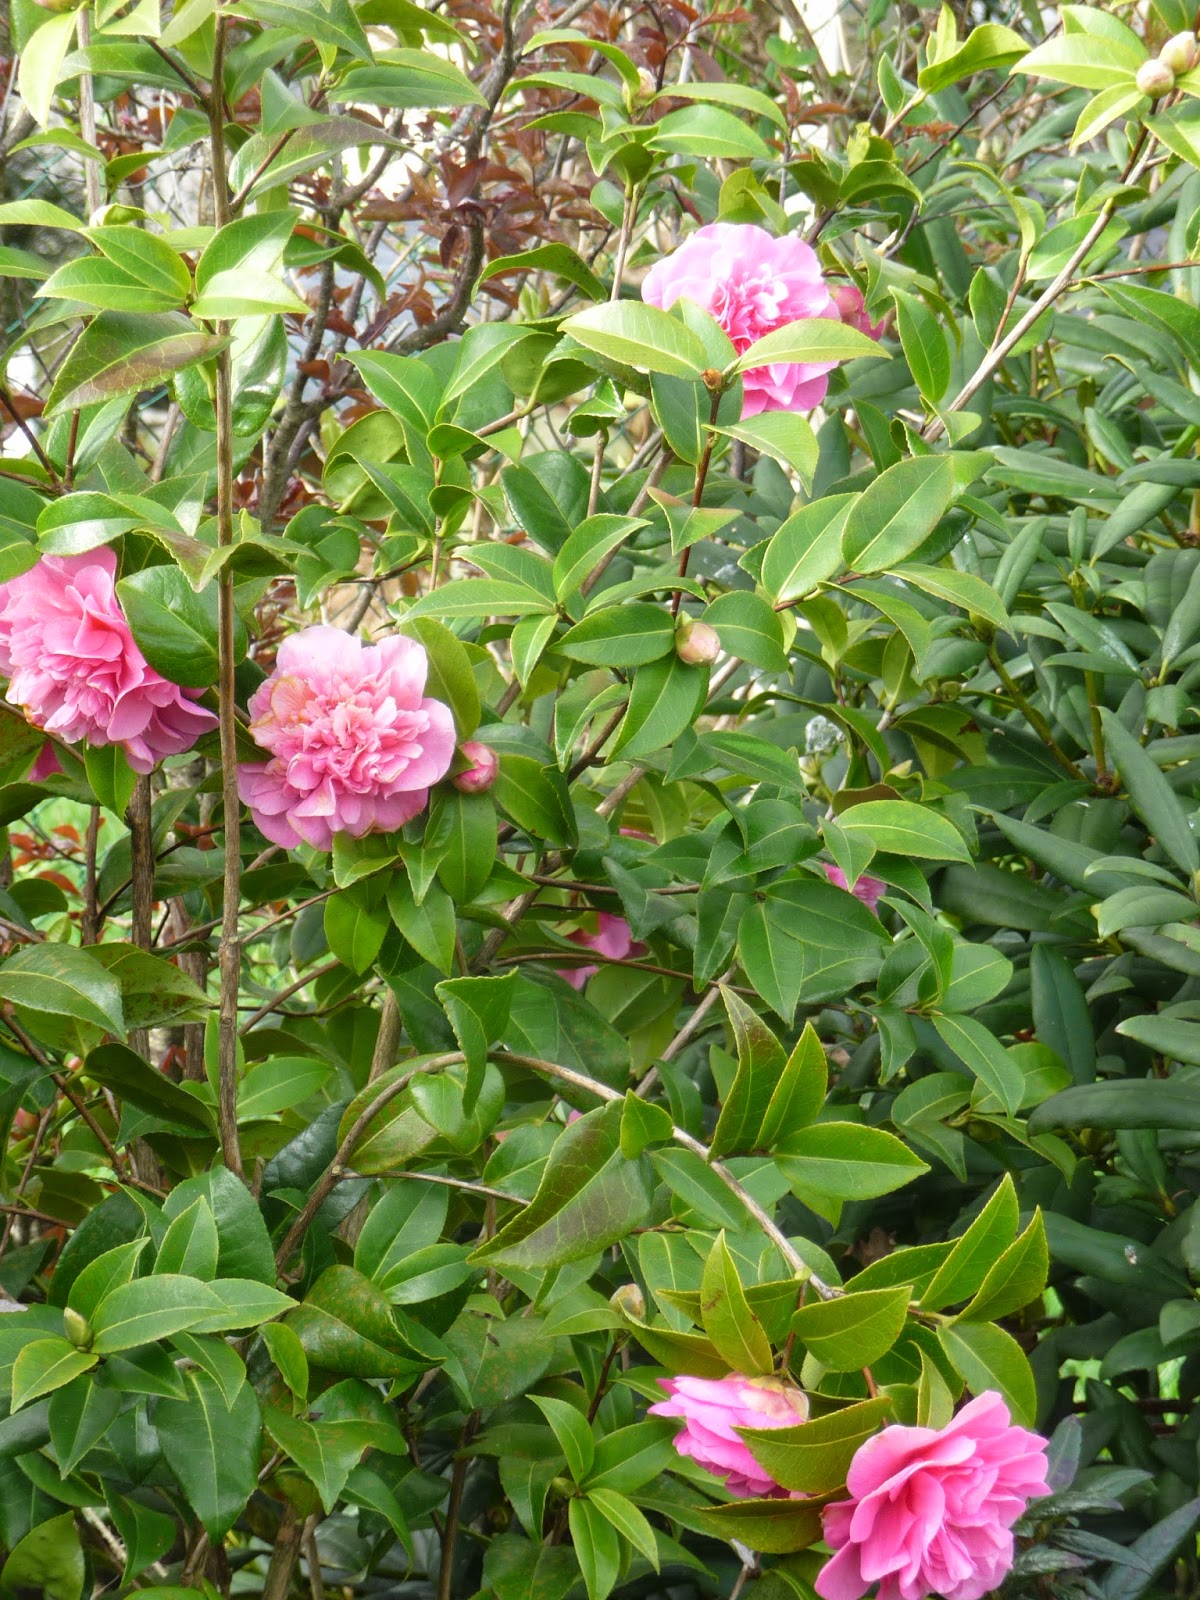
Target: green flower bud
{"x":1155,"y":78}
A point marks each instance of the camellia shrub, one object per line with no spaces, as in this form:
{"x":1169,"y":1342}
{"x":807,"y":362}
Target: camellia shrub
{"x":600,"y":896}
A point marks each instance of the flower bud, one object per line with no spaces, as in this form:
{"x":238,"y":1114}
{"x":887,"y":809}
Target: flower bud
{"x":1155,"y":78}
{"x":629,"y":1301}
{"x":647,"y":84}
{"x":697,"y":644}
{"x":481,"y":774}
{"x":77,"y":1329}
{"x":1179,"y":53}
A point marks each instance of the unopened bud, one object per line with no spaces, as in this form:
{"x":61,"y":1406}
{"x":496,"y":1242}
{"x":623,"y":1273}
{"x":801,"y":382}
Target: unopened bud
{"x":630,"y":1302}
{"x":481,"y":774}
{"x":1155,"y":78}
{"x":697,"y":644}
{"x":1179,"y":53}
{"x":647,"y":84}
{"x":712,"y":380}
{"x":77,"y":1329}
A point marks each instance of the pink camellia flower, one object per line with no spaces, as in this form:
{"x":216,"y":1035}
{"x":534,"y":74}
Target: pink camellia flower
{"x":612,"y":939}
{"x":354,"y":745}
{"x":751,"y":284}
{"x":867,"y":889}
{"x":931,"y":1510}
{"x":713,"y":1408}
{"x":75,"y":670}
{"x":852,"y":309}
{"x":479,"y":777}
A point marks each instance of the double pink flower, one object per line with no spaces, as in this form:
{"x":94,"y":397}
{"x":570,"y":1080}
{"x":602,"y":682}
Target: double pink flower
{"x":75,"y":669}
{"x":930,"y":1510}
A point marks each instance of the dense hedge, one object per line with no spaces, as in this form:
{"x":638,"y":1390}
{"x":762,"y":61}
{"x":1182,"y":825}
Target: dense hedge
{"x":601,"y":611}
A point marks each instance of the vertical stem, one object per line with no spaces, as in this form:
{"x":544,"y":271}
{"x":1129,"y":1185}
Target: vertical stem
{"x":388,"y":1037}
{"x":286,"y":1551}
{"x":90,"y":927}
{"x":141,"y":852}
{"x":230,"y":960}
{"x":698,"y":492}
{"x":458,"y":1478}
{"x":87,"y":120}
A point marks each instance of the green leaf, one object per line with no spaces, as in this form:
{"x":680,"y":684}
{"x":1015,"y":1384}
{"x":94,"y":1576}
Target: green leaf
{"x":428,"y":927}
{"x":749,"y":629}
{"x":111,"y":779}
{"x":924,"y":344}
{"x":710,"y":133}
{"x":119,"y":353}
{"x":760,"y":1067}
{"x":986,"y":47}
{"x":642,"y":336}
{"x":175,"y":628}
{"x":853,"y":1331}
{"x":1086,"y":61}
{"x":1150,"y":795}
{"x":903,"y":828}
{"x":898,"y":512}
{"x":589,"y":1197}
{"x":799,"y":1094}
{"x":597,"y":1547}
{"x":212,"y":1447}
{"x":627,"y":1520}
{"x":136,"y":271}
{"x":286,"y":1351}
{"x":815,"y":1456}
{"x":592,"y":540}
{"x":785,"y":436}
{"x":728,"y":1320}
{"x":776,"y":1526}
{"x":667,"y":696}
{"x":981,"y":1053}
{"x":847,"y":1161}
{"x":478,"y":1010}
{"x":79,"y":1416}
{"x":811,"y":339}
{"x":333,"y":24}
{"x":807,"y":549}
{"x":134,"y":1080}
{"x":986,"y":1357}
{"x":620,"y":636}
{"x":1123,"y":1103}
{"x":38,"y":72}
{"x":571,"y":1429}
{"x":189,"y":1247}
{"x":355,"y":926}
{"x":346,"y":1324}
{"x":310,"y":146}
{"x":49,"y":1559}
{"x":976,"y":1252}
{"x":534,"y":794}
{"x":481,"y":597}
{"x":1016,"y":1278}
{"x":46,"y":1365}
{"x":63,"y":981}
{"x":410,"y":78}
{"x":150,"y":1308}
{"x":643,"y":1125}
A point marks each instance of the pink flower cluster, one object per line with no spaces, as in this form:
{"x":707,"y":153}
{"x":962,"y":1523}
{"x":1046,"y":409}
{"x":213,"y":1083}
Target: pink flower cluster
{"x":613,"y":939}
{"x":751,"y":284}
{"x":354,"y":745}
{"x":930,"y":1510}
{"x":75,"y":670}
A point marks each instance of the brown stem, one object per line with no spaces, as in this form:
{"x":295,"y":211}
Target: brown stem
{"x":90,"y":921}
{"x":284,"y":1555}
{"x":388,"y":1037}
{"x":710,"y":440}
{"x":141,"y":850}
{"x":458,"y":1478}
{"x":312,"y":1556}
{"x":230,"y":952}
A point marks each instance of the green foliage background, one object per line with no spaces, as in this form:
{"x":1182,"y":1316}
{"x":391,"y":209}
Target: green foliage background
{"x":329,"y":312}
